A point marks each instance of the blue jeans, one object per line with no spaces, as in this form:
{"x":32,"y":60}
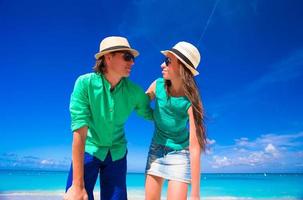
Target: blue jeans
{"x":112,"y":177}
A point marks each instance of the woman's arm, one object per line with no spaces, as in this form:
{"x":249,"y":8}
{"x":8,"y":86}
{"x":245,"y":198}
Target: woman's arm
{"x":151,"y":90}
{"x":195,"y":154}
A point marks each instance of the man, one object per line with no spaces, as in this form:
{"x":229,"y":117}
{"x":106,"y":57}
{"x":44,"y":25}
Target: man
{"x":100,"y":105}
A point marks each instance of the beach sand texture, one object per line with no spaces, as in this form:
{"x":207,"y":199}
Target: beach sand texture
{"x":131,"y":196}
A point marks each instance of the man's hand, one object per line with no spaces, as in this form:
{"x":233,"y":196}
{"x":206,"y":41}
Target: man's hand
{"x":75,"y":193}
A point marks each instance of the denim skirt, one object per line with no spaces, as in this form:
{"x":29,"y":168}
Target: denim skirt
{"x":167,"y":163}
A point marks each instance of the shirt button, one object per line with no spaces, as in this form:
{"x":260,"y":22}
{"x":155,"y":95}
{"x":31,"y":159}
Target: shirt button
{"x":110,"y":110}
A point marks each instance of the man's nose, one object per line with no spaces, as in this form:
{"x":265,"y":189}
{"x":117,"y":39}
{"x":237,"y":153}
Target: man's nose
{"x":132,"y":62}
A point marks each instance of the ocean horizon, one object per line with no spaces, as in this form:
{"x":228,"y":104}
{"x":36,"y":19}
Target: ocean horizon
{"x":46,"y":184}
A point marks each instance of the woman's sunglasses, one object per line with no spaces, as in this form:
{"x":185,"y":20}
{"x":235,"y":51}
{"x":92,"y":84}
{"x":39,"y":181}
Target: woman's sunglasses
{"x":167,"y":61}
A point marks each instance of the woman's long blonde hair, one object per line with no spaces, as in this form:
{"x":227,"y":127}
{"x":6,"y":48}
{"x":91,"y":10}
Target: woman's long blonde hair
{"x":192,"y":93}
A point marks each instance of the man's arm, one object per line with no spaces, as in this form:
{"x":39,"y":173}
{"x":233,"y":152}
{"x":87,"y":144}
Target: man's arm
{"x":151,"y":91}
{"x":77,"y":190}
{"x":143,"y":108}
{"x":80,"y":114}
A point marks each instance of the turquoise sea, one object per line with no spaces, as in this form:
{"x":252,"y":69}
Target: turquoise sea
{"x":243,"y":186}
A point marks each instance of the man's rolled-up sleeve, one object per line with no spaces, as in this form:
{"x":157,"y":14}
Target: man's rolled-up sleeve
{"x":79,"y":105}
{"x":143,"y":108}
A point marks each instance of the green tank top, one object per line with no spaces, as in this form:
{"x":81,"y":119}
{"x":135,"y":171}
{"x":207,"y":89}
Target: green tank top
{"x":170,"y":118}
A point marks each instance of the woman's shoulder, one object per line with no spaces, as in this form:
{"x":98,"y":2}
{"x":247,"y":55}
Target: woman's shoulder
{"x":160,"y":80}
{"x":159,"y":83}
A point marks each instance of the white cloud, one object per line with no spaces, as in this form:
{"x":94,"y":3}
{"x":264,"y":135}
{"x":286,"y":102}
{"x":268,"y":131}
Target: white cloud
{"x":266,"y":153}
{"x":242,"y":142}
{"x":255,"y":158}
{"x":210,"y":141}
{"x":47,"y":162}
{"x":285,"y":140}
{"x":219,"y":162}
{"x":272,"y":150}
{"x":12,"y":160}
{"x":269,"y":151}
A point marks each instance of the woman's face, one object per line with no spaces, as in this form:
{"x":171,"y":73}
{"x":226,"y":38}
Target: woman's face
{"x":171,"y":67}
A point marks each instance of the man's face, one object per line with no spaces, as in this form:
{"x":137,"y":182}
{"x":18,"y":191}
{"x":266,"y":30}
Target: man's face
{"x":120,"y":63}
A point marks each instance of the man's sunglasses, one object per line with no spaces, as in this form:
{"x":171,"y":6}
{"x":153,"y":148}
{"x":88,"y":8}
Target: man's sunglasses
{"x":128,"y":56}
{"x":167,"y":61}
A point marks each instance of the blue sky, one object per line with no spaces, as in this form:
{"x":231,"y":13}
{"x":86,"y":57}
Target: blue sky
{"x":251,"y":76}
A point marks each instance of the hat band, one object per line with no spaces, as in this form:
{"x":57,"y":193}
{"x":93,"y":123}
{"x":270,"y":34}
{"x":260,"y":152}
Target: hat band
{"x":178,"y":53}
{"x":115,"y":47}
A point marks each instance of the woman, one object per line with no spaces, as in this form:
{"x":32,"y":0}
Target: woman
{"x":175,"y":151}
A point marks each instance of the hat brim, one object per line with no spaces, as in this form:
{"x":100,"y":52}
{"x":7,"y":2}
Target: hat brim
{"x":193,"y":71}
{"x":102,"y":53}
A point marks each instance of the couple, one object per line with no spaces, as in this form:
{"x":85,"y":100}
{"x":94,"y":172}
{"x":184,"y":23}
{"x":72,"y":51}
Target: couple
{"x":102,"y":101}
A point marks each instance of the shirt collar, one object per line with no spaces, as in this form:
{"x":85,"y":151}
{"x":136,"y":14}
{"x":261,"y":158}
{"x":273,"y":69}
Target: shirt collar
{"x":108,"y":86}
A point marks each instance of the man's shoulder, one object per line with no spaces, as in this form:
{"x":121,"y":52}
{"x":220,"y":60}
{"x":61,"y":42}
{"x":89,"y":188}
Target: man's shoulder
{"x":88,"y":78}
{"x":132,"y":85}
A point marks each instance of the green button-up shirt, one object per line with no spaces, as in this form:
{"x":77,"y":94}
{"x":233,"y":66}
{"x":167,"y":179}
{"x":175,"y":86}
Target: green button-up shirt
{"x":105,"y":112}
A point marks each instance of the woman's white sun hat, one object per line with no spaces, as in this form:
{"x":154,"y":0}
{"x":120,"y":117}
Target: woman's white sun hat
{"x":188,"y":54}
{"x":114,"y":43}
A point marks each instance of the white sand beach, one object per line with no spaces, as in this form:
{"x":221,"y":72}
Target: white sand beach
{"x":132,"y":195}
{"x":57,"y":195}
